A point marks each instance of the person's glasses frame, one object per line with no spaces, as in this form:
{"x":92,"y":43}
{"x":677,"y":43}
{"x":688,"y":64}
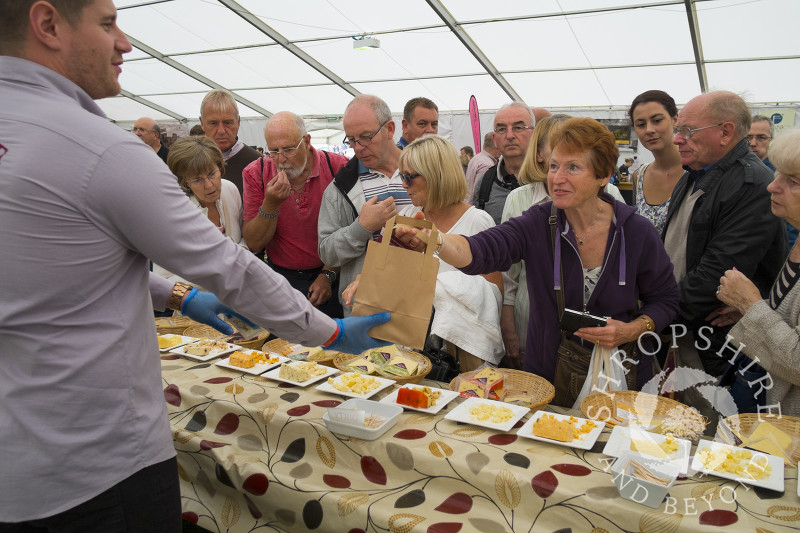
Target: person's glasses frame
{"x":408,"y":178}
{"x":760,"y":138}
{"x":516,"y":128}
{"x":144,"y":130}
{"x":363,"y":141}
{"x":199,"y":182}
{"x":687,"y":132}
{"x":286,"y":152}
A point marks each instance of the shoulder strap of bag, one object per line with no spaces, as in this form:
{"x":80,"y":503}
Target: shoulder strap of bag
{"x":486,"y":189}
{"x":328,"y":158}
{"x":560,"y":290}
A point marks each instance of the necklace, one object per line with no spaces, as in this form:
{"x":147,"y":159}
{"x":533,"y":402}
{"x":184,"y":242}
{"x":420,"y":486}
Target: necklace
{"x":588,"y":229}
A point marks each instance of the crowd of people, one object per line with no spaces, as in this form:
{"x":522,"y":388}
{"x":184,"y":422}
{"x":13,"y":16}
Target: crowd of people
{"x":103,"y":232}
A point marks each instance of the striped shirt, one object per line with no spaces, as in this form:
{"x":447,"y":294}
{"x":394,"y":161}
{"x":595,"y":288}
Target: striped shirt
{"x":376,"y":184}
{"x":784,"y":283}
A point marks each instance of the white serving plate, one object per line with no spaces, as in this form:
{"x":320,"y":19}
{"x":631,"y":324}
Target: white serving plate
{"x":256,"y":370}
{"x":274,"y":374}
{"x":210,"y":356}
{"x":461,"y":413}
{"x":383,"y":383}
{"x":184,"y":340}
{"x":446,"y":397}
{"x":773,"y":482}
{"x":388,"y":412}
{"x":584,"y":442}
{"x":620,"y":442}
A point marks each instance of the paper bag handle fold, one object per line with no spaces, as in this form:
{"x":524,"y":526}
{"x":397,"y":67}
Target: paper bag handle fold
{"x":383,"y":246}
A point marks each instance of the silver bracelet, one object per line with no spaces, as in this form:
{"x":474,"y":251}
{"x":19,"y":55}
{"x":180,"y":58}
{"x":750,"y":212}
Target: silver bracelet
{"x":268,"y":215}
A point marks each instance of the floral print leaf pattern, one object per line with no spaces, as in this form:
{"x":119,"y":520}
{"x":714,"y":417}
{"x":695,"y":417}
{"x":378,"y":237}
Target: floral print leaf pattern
{"x":350,"y":502}
{"x":312,"y":514}
{"x":517,"y":459}
{"x":255,"y":512}
{"x":218,"y":380}
{"x":227,"y":424}
{"x":502,"y":439}
{"x":507,"y":489}
{"x":230,"y":513}
{"x":327,"y":403}
{"x":197,"y":423}
{"x":256,"y":484}
{"x":286,"y":517}
{"x":337,"y":482}
{"x":445,"y":527}
{"x":410,"y":434}
{"x":172,"y":395}
{"x":190,"y":517}
{"x":326,"y":452}
{"x":290,"y":397}
{"x":544,"y":484}
{"x":400,"y":456}
{"x":411,"y":499}
{"x":234,"y":388}
{"x":404,"y":522}
{"x":302,"y":471}
{"x":300,"y":410}
{"x":468,"y":432}
{"x":222,"y":475}
{"x":257,"y":397}
{"x":458,"y":503}
{"x":440,"y":449}
{"x":210,"y":444}
{"x":718,"y":517}
{"x":267,"y":412}
{"x":484,"y":524}
{"x":784,"y":512}
{"x":373,"y":470}
{"x":659,"y":522}
{"x":476,"y":461}
{"x":295,"y":451}
{"x":571,"y":470}
{"x":249,"y":442}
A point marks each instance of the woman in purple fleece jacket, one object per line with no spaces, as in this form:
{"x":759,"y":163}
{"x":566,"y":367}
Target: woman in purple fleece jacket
{"x":613,"y":261}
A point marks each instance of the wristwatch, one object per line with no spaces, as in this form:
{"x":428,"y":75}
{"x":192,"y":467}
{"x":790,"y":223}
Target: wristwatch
{"x":331,"y":275}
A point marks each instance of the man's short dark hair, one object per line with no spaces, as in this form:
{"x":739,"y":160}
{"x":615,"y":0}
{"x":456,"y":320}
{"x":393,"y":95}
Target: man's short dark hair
{"x":488,"y":141}
{"x":412,"y":104}
{"x":468,"y":150}
{"x":14,"y":22}
{"x":762,"y":118}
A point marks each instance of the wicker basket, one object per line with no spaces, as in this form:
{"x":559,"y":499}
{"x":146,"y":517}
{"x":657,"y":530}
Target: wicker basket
{"x":276,"y":345}
{"x":600,"y":405}
{"x":173,"y":324}
{"x":423,"y":365}
{"x":539,"y":389}
{"x":202,"y":331}
{"x":747,"y":422}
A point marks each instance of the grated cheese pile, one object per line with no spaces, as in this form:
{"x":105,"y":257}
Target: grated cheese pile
{"x":736,"y":461}
{"x":487,"y":413}
{"x":683,"y":422}
{"x":354,"y":382}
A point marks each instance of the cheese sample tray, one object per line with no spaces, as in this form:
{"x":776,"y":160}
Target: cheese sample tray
{"x":275,"y":374}
{"x":222,"y":349}
{"x":178,"y":340}
{"x":445,"y":396}
{"x":381,"y":384}
{"x":621,"y":438}
{"x":584,"y":441}
{"x":773,"y":481}
{"x":461,"y":413}
{"x":258,"y":368}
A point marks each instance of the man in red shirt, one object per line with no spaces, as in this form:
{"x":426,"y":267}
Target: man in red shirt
{"x":282,"y":196}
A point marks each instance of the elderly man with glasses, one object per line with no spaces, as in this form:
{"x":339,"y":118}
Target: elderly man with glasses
{"x":282,"y":198}
{"x":719,"y":218}
{"x":150,"y":133}
{"x":513,"y":126}
{"x":364,"y":194}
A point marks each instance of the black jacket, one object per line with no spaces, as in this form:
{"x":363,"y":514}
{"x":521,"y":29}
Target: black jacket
{"x":731,"y":226}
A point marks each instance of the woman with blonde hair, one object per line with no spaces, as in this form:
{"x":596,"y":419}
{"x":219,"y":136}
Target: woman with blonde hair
{"x":467,"y":308}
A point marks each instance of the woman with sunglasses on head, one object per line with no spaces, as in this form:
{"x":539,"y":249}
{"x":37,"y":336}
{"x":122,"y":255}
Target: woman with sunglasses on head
{"x":431,"y":172}
{"x":197,"y":163}
{"x":653,"y":115}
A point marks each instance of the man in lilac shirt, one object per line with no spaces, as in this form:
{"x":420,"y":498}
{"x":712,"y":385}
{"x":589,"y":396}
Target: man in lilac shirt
{"x":84,"y":434}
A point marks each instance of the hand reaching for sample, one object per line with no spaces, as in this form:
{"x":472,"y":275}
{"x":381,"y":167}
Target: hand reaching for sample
{"x":349,"y":293}
{"x":204,"y":307}
{"x":413,"y":237}
{"x":374,"y":214}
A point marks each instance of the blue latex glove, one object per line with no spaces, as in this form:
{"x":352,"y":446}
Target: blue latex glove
{"x":353,"y":337}
{"x":204,"y":308}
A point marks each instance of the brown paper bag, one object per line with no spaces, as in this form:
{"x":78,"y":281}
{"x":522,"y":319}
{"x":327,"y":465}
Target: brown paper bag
{"x":402,"y":282}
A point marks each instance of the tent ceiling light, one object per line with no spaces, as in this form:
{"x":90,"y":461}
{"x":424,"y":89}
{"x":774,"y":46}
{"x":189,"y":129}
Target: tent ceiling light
{"x":365,"y":43}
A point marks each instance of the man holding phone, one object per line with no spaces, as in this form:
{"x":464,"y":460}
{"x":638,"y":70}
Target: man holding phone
{"x":365,"y":193}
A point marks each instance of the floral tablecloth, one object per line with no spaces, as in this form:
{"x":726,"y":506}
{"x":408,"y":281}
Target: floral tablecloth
{"x":254,"y":454}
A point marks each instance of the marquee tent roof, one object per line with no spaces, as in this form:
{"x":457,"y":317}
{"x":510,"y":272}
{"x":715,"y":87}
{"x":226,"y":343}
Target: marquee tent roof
{"x":300,"y":56}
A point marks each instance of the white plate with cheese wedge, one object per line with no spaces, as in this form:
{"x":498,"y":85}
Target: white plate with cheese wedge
{"x":174,"y":341}
{"x":583,"y":441}
{"x":489,"y":413}
{"x":275,"y":374}
{"x":220,"y":348}
{"x":258,"y":368}
{"x":772,"y":479}
{"x":623,"y":439}
{"x":359,"y":384}
{"x":445,"y":396}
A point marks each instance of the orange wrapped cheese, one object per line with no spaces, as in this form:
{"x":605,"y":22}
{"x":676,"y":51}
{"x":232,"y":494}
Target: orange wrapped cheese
{"x":413,"y":398}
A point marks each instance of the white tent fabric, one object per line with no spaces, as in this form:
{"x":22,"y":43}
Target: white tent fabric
{"x":576,"y":54}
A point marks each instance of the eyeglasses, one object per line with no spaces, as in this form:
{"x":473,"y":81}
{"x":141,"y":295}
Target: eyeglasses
{"x":286,"y":152}
{"x":408,"y":178}
{"x":687,"y":132}
{"x":363,"y":141}
{"x":199,"y":182}
{"x":143,"y":130}
{"x":516,"y":128}
{"x":759,"y":138}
